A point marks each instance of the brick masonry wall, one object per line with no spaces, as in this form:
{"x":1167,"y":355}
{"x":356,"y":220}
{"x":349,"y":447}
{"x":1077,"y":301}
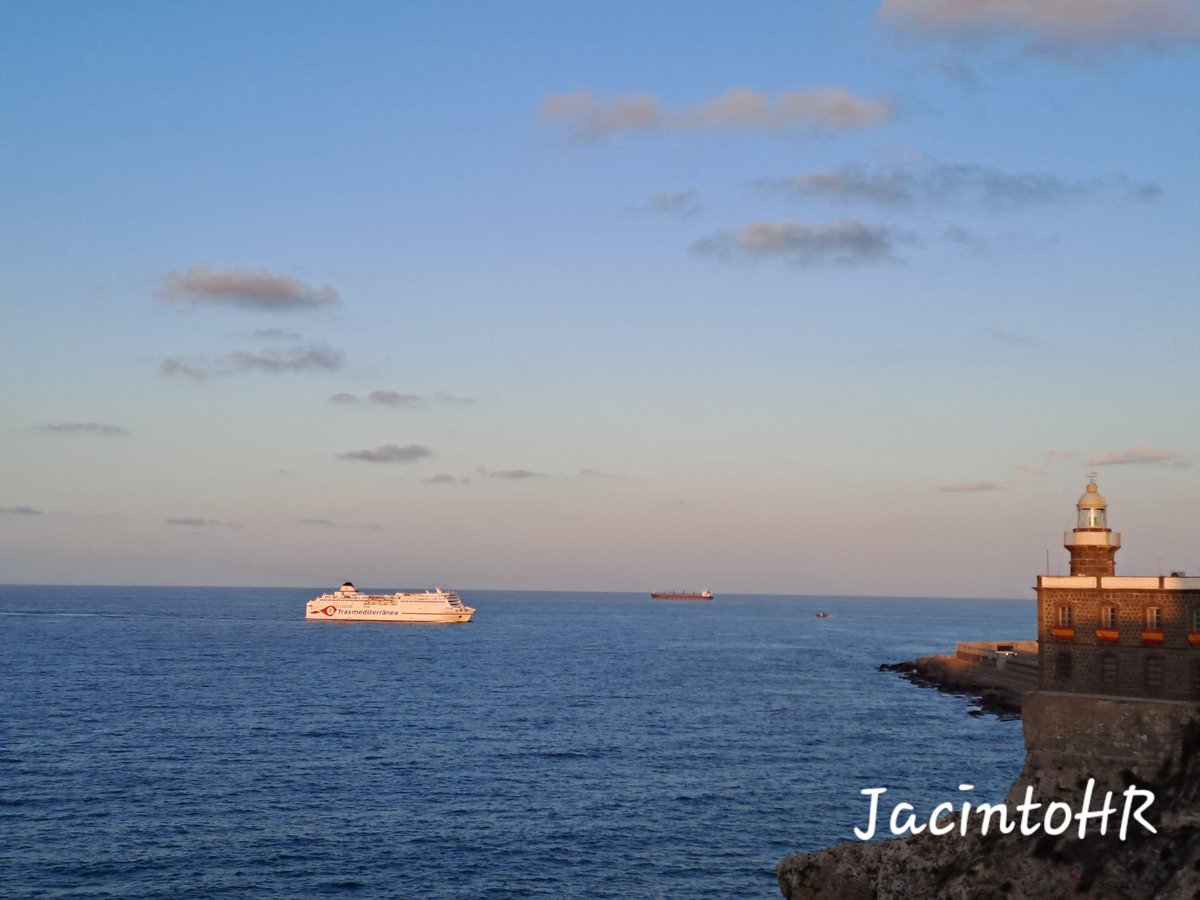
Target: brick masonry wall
{"x":1130,"y":667}
{"x":1093,"y":560}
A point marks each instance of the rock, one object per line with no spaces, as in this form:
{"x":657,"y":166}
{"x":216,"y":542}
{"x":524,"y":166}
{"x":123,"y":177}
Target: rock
{"x":1070,"y":739}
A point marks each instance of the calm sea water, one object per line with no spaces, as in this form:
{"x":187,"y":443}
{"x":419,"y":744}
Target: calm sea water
{"x":187,"y":742}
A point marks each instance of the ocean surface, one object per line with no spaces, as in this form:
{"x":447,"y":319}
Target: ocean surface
{"x":209,"y":742}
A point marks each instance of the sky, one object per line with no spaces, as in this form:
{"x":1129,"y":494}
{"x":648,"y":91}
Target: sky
{"x":793,"y":298}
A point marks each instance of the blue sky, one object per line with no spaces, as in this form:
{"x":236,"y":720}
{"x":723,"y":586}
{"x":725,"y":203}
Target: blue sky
{"x":790,"y":298}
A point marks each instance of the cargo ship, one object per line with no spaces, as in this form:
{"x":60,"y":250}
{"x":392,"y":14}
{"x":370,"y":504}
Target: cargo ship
{"x":681,"y":595}
{"x":346,"y":604}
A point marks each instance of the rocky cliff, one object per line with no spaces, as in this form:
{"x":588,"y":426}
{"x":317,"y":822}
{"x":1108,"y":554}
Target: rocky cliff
{"x":1070,"y":739}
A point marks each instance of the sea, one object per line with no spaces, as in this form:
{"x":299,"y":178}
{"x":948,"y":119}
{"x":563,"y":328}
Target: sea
{"x":209,"y":742}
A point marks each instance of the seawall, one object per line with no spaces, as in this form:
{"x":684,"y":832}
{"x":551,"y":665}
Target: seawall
{"x":1000,"y":674}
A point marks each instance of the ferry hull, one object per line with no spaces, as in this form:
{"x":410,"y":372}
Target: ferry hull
{"x":347,"y":604}
{"x":331,"y":612}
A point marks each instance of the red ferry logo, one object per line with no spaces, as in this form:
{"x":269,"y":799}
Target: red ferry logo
{"x":329,"y":610}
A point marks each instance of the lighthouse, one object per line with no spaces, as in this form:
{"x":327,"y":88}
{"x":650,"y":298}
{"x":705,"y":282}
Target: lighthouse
{"x":1115,"y":636}
{"x":1092,"y":544}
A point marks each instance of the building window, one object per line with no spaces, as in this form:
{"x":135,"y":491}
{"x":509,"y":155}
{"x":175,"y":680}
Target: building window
{"x":1196,"y":677}
{"x":1153,"y":618}
{"x":1154,"y":672}
{"x":1108,"y":617}
{"x":1108,"y":669}
{"x":1063,"y":665}
{"x":1066,"y":616}
{"x":1196,"y":619}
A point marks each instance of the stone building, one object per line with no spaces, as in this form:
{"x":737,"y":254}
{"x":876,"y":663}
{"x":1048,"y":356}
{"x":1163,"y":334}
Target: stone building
{"x":1100,"y":633}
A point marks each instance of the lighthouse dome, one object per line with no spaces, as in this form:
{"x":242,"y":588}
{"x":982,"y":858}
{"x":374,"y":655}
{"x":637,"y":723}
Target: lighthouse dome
{"x":1093,"y":508}
{"x":1092,"y":498}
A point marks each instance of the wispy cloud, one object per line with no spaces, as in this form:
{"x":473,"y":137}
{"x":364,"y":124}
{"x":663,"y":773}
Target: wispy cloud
{"x":19,"y":511}
{"x":444,"y":478}
{"x":676,"y":204}
{"x":1050,"y":458}
{"x":1011,"y":338}
{"x":394,"y":398}
{"x":255,"y":289}
{"x":451,"y":399}
{"x":173,"y":366}
{"x":83,"y":428}
{"x":595,"y":473}
{"x":197,"y":522}
{"x":296,"y":359}
{"x":1140,"y":456}
{"x":312,"y":358}
{"x":969,"y":487}
{"x":513,"y":474}
{"x":929,"y":183}
{"x":329,"y":523}
{"x":847,"y":242}
{"x":397,"y":398}
{"x":275,"y":334}
{"x":584,"y":117}
{"x":1049,"y":26}
{"x":389,"y":453}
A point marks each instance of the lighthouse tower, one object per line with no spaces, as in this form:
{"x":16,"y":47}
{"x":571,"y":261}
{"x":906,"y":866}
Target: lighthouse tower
{"x":1092,"y":544}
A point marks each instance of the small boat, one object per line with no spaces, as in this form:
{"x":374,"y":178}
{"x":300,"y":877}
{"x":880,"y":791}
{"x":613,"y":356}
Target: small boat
{"x":346,"y":604}
{"x":681,"y":595}
{"x":821,"y":615}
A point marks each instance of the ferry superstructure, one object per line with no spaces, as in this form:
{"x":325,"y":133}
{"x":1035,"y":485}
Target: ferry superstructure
{"x":346,"y":604}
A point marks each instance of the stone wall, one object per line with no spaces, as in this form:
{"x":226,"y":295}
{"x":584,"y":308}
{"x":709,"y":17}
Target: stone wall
{"x":1127,"y":658}
{"x":1069,"y":737}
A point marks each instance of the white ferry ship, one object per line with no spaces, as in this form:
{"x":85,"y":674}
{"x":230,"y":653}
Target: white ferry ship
{"x":346,"y":604}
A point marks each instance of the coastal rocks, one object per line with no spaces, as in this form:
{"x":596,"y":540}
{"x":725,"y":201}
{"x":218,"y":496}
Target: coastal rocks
{"x":1070,"y":740}
{"x":995,"y":694}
